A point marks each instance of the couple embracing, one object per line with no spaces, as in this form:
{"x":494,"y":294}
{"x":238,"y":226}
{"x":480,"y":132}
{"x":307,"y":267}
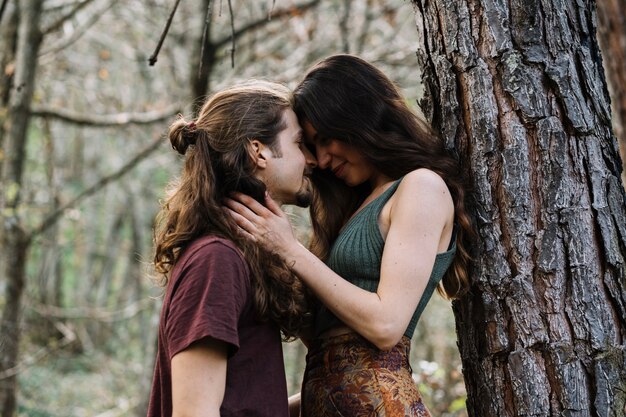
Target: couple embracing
{"x":389,"y":222}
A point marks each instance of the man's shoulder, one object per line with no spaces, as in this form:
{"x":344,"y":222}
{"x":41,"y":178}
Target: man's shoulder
{"x":213,"y":247}
{"x":212,"y":244}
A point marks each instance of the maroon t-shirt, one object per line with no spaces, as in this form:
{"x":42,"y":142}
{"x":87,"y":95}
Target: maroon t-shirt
{"x":209,"y":294}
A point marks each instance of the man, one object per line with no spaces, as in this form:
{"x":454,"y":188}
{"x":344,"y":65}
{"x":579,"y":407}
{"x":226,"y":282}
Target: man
{"x":219,"y":349}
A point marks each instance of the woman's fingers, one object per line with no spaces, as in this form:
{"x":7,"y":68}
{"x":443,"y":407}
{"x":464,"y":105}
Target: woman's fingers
{"x":273,"y":205}
{"x":240,"y":208}
{"x":268,"y":227}
{"x":249,"y":202}
{"x":247,"y":235}
{"x":244,"y":224}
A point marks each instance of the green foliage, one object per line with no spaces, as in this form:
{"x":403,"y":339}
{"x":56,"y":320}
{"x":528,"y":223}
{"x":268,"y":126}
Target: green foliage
{"x":10,"y":192}
{"x":457,"y":405}
{"x":23,"y":411}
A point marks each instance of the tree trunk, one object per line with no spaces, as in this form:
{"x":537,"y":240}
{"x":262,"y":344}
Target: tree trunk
{"x":203,"y":60}
{"x":104,"y":274}
{"x":49,"y":283}
{"x":8,"y":44}
{"x":14,"y":243}
{"x":134,"y":292}
{"x":612,"y":39}
{"x":518,"y":89}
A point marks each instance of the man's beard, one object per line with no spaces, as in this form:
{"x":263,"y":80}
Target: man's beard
{"x":304,"y":196}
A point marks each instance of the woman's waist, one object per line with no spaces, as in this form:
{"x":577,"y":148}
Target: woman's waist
{"x":341,"y":349}
{"x":336,"y":331}
{"x":341,"y":335}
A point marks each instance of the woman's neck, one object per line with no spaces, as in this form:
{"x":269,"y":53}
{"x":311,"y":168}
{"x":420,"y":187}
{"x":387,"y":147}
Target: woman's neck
{"x":379,"y":182}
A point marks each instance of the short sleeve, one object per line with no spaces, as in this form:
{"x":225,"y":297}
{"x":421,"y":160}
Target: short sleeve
{"x":209,"y":294}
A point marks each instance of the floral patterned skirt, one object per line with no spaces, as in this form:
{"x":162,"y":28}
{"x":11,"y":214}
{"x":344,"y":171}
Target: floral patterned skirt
{"x":347,"y":376}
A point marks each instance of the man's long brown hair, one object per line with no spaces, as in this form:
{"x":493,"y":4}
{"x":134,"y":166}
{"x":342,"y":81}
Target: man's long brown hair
{"x":347,"y":99}
{"x":218,"y":162}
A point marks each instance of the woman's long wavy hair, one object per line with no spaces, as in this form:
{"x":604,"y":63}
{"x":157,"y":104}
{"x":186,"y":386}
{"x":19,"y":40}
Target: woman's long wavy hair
{"x":218,"y":162}
{"x":347,"y":99}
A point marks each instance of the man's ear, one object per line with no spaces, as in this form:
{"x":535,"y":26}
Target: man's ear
{"x":259,"y":153}
{"x":255,"y":149}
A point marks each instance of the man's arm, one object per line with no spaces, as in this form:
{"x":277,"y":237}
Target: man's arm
{"x":199,"y":379}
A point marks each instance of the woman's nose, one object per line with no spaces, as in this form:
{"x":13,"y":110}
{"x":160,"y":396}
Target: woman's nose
{"x":309,"y":158}
{"x":323,"y":157}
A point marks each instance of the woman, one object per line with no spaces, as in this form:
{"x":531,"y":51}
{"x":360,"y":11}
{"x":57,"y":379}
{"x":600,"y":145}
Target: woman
{"x":388,"y":218}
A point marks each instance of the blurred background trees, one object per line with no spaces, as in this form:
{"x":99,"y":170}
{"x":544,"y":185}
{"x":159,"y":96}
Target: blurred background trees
{"x":84,"y":165}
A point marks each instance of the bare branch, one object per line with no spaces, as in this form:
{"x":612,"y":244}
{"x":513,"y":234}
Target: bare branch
{"x":153,"y":58}
{"x":2,"y":7}
{"x":232,"y":34}
{"x":263,"y":21}
{"x":365,"y":29}
{"x":56,"y":215}
{"x":57,"y":25}
{"x":269,"y":14}
{"x":343,"y":26}
{"x":119,"y":119}
{"x":80,"y":31}
{"x":98,"y":314}
{"x":205,"y":35}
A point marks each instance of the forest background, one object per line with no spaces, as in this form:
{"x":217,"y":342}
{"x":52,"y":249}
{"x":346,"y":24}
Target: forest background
{"x":96,"y":164}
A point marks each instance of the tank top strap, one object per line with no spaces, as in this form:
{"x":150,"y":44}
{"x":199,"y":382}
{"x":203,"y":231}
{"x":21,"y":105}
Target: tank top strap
{"x":381,"y":200}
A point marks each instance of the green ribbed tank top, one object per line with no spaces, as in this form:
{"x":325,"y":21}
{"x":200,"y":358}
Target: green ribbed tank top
{"x":356,"y":256}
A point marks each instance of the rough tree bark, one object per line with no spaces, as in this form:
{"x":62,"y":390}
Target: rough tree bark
{"x":14,"y":243}
{"x":612,"y":39}
{"x":517,"y":88}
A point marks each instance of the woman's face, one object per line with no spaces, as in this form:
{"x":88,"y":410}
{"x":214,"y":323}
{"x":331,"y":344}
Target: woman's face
{"x":345,"y":162}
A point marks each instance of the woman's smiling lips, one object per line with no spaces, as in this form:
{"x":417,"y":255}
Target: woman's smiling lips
{"x":339,"y":169}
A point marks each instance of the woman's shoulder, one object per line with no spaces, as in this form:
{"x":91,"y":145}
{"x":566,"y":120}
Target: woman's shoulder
{"x":422,"y":197}
{"x":424,"y":180}
{"x":421,"y":194}
{"x":425,"y":190}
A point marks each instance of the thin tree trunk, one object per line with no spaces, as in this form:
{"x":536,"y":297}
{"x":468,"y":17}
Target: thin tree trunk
{"x":343,"y":25}
{"x":14,"y":244}
{"x":208,"y":47}
{"x":77,"y":161}
{"x":107,"y":261}
{"x":133,"y":292}
{"x":203,"y":60}
{"x":105,"y":274}
{"x":49,"y":276}
{"x":518,"y":89}
{"x":612,"y":39}
{"x":50,"y":269}
{"x":8,"y":44}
